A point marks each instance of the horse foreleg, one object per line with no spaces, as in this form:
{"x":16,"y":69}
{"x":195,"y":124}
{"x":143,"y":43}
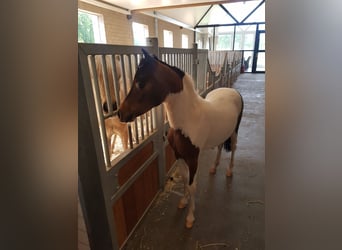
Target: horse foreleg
{"x":233,"y":142}
{"x":217,"y":160}
{"x":192,"y":164}
{"x":190,"y":218}
{"x":184,"y":172}
{"x":189,"y":193}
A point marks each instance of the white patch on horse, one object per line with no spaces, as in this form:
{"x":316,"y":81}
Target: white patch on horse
{"x":204,"y":121}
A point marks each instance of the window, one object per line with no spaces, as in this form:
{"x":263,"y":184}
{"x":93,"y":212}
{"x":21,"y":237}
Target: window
{"x":140,"y":33}
{"x":90,"y":27}
{"x":168,"y":38}
{"x":185,"y":41}
{"x":224,"y":38}
{"x":245,"y":37}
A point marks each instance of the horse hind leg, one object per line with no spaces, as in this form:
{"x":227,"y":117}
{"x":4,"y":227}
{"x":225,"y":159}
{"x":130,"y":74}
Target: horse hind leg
{"x":217,"y":160}
{"x":233,"y":142}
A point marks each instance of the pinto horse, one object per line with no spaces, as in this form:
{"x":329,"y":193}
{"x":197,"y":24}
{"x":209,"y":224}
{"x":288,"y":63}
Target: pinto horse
{"x":195,"y":123}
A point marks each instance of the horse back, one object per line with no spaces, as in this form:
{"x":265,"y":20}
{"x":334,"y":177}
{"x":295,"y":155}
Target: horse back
{"x":223,"y":112}
{"x":225,"y":100}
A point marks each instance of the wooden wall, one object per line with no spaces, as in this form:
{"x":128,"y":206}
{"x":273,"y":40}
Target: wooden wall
{"x":119,"y":28}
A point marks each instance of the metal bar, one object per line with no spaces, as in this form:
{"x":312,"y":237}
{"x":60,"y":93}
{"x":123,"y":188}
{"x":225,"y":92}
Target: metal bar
{"x":196,"y":25}
{"x":130,"y":140}
{"x":130,"y":71}
{"x":263,"y":1}
{"x":123,"y":74}
{"x":106,"y":84}
{"x":116,"y":80}
{"x":232,"y":24}
{"x":141,"y":127}
{"x":152,"y":124}
{"x":99,"y":112}
{"x":136,"y":130}
{"x":146,"y":123}
{"x":229,"y":14}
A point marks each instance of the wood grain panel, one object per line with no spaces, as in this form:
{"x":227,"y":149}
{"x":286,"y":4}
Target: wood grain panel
{"x":140,"y":194}
{"x":133,"y":165}
{"x":120,"y":223}
{"x":133,"y":203}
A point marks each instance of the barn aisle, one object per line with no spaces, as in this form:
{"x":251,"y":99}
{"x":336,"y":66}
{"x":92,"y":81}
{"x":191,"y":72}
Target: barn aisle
{"x":229,"y":212}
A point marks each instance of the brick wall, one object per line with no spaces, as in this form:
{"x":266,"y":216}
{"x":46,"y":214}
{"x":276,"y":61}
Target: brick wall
{"x":119,"y":28}
{"x":177,"y":34}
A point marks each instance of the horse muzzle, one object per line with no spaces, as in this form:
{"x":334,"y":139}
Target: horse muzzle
{"x":125,"y":117}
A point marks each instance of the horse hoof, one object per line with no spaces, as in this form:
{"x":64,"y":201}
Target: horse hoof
{"x":189,"y":224}
{"x":229,"y":173}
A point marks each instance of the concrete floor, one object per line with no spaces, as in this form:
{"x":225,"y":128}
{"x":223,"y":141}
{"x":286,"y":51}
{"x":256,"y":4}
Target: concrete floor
{"x":229,"y":211}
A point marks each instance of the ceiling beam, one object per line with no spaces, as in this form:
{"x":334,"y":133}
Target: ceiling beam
{"x":107,"y":5}
{"x":187,"y":5}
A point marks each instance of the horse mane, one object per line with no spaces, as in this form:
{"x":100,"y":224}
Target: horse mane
{"x":178,"y":71}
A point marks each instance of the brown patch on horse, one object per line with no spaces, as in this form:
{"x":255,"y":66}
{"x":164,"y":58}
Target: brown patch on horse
{"x":152,"y":83}
{"x":184,"y":149}
{"x":173,"y":79}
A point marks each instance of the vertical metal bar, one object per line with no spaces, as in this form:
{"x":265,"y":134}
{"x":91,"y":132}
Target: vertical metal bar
{"x":142,"y":127}
{"x":130,"y":139}
{"x":149,"y":117}
{"x":130,"y":71}
{"x":99,"y":112}
{"x":123,"y":73}
{"x":195,"y":63}
{"x":151,"y":122}
{"x":136,"y":129}
{"x":106,"y":84}
{"x":116,"y":80}
{"x":136,"y":124}
{"x":147,"y":124}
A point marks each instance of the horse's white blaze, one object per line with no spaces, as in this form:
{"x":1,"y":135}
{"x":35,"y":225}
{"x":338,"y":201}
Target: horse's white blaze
{"x":207,"y":122}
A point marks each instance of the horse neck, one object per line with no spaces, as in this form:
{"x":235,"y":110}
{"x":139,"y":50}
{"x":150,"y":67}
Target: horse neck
{"x":182,"y":107}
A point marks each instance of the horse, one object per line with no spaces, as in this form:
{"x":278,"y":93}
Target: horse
{"x":112,"y":124}
{"x":195,"y":123}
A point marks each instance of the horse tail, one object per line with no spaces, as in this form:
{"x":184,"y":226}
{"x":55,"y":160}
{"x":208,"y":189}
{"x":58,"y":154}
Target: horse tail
{"x":227,"y":143}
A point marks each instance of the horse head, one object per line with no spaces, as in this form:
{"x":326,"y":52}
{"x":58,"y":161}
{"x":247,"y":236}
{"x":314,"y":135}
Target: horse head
{"x":149,"y":88}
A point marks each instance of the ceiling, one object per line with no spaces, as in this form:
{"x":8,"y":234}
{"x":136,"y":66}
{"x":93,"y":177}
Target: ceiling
{"x":185,"y":13}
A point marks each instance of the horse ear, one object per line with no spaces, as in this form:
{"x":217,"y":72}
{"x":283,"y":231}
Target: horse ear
{"x":146,"y":54}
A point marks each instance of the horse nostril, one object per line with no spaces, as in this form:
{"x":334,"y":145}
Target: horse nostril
{"x":119,"y":114}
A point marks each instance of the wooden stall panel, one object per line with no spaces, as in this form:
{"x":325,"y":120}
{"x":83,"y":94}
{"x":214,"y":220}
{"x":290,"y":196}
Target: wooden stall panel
{"x":131,"y":206}
{"x":119,"y":217}
{"x":135,"y":163}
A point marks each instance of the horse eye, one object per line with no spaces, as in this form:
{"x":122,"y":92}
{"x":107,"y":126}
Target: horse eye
{"x":140,"y":85}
